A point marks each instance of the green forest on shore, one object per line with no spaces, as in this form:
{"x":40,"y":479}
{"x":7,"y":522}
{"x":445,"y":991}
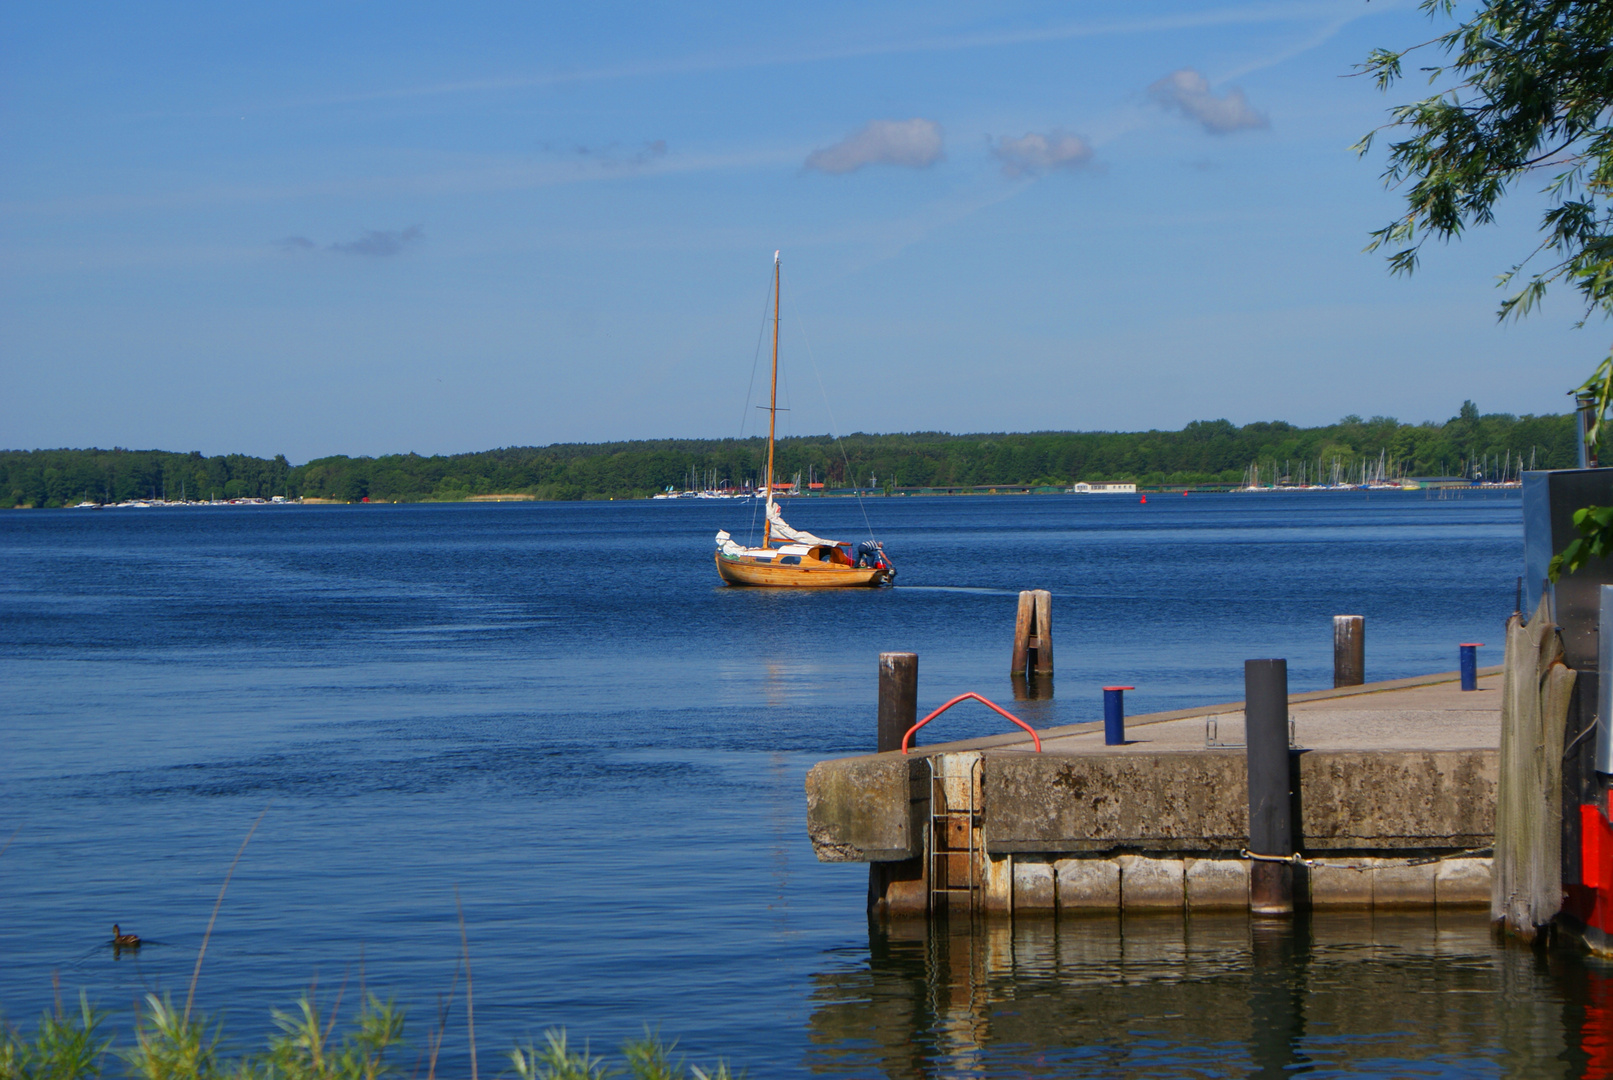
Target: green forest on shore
{"x":1205,"y":452}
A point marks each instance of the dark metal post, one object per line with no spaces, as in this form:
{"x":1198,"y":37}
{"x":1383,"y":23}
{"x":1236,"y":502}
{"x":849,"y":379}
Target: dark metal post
{"x":1470,"y":664}
{"x":1585,"y":416}
{"x":897,"y":888}
{"x":1349,"y":650}
{"x":898,"y":697}
{"x":1265,"y":707}
{"x":1114,"y":715}
{"x":1603,"y":756}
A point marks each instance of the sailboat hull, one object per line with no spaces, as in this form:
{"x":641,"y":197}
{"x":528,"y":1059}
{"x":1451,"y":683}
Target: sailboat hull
{"x":743,"y":571}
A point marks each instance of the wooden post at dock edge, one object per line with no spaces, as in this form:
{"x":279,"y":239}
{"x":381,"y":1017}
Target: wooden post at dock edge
{"x":1349,"y":650}
{"x":898,"y":698}
{"x":1033,"y":634}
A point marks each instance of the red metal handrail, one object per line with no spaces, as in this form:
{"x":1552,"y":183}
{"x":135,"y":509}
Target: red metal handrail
{"x":989,"y":704}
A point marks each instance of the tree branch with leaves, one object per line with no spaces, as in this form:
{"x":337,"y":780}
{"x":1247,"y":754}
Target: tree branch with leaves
{"x":1523,"y":90}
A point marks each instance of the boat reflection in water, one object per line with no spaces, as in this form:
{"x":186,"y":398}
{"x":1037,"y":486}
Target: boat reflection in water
{"x":1373,"y":994}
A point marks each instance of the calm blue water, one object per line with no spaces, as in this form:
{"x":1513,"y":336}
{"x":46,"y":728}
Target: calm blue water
{"x":559,"y":709}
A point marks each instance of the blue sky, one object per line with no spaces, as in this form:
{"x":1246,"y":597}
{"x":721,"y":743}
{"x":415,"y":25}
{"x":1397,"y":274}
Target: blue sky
{"x":368,"y":228}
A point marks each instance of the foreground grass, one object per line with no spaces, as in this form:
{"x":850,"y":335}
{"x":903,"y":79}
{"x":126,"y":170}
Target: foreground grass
{"x":170,"y":1045}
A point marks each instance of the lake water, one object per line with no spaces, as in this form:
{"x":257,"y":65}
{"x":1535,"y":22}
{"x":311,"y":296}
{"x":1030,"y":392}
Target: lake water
{"x":559,"y":710}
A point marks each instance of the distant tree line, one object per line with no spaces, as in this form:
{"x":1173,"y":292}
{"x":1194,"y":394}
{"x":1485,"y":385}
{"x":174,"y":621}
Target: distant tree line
{"x":1204,"y":452}
{"x":65,"y":477}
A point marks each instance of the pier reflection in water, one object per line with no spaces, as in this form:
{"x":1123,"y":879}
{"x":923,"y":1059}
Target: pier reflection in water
{"x":1385,"y":994}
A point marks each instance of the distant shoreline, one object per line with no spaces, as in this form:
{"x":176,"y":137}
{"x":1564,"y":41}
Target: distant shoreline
{"x":1433,"y":490}
{"x":1204,"y":456}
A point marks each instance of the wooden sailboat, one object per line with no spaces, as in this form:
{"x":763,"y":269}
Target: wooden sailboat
{"x":789,"y":557}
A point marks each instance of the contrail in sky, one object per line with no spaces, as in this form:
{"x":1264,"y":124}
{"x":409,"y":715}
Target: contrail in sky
{"x":1313,"y":10}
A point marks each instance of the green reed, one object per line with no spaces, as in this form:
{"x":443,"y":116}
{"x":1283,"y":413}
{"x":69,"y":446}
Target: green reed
{"x":168,"y":1045}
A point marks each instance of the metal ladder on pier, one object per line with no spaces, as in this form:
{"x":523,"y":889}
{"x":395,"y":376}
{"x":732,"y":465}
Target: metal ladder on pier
{"x":954,"y":836}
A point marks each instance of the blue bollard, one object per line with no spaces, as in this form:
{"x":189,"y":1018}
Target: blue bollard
{"x":1470,"y":664}
{"x":1114,"y":715}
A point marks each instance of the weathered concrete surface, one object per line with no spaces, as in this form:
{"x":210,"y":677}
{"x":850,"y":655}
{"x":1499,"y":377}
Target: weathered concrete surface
{"x":998,"y":887}
{"x":1348,"y":800}
{"x":1088,"y":884}
{"x":873,"y":809}
{"x":1034,"y":888}
{"x":1151,"y":884}
{"x":1093,"y":802}
{"x":1403,"y":886}
{"x":1405,"y":765}
{"x":1098,"y":884}
{"x":1344,"y":884}
{"x":1430,"y":715}
{"x":1353,"y":800}
{"x":1427,"y":712}
{"x":868,"y":809}
{"x":1462,"y":881}
{"x":1216,"y":883}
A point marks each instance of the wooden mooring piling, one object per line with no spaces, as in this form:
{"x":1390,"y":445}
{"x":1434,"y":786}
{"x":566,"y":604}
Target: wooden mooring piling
{"x":898,"y":698}
{"x":1349,"y":650}
{"x":1033,"y":634}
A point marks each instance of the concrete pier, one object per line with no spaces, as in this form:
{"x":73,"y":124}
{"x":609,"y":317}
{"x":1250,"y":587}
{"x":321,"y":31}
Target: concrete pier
{"x":1396,"y":787}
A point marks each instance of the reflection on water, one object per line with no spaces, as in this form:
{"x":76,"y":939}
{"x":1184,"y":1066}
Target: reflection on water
{"x":1375,"y":994}
{"x":1032,"y":687}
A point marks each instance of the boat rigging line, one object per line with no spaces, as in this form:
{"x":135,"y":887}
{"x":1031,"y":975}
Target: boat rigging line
{"x":834,"y":427}
{"x":756,"y":359}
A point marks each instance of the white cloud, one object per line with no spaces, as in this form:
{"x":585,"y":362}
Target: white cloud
{"x":1188,"y":92}
{"x":1034,"y":153}
{"x":913,"y":144}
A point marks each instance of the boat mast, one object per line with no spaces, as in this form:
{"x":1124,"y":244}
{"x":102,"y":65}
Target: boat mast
{"x":772,"y":412}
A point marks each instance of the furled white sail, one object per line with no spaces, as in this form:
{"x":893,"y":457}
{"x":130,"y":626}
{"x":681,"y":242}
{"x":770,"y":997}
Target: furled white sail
{"x":782,"y":531}
{"x":726,"y":545}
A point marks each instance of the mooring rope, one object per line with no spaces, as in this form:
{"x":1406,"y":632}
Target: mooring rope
{"x":1423,"y":860}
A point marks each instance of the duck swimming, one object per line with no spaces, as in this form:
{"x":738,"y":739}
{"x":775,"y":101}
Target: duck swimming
{"x":120,"y":940}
